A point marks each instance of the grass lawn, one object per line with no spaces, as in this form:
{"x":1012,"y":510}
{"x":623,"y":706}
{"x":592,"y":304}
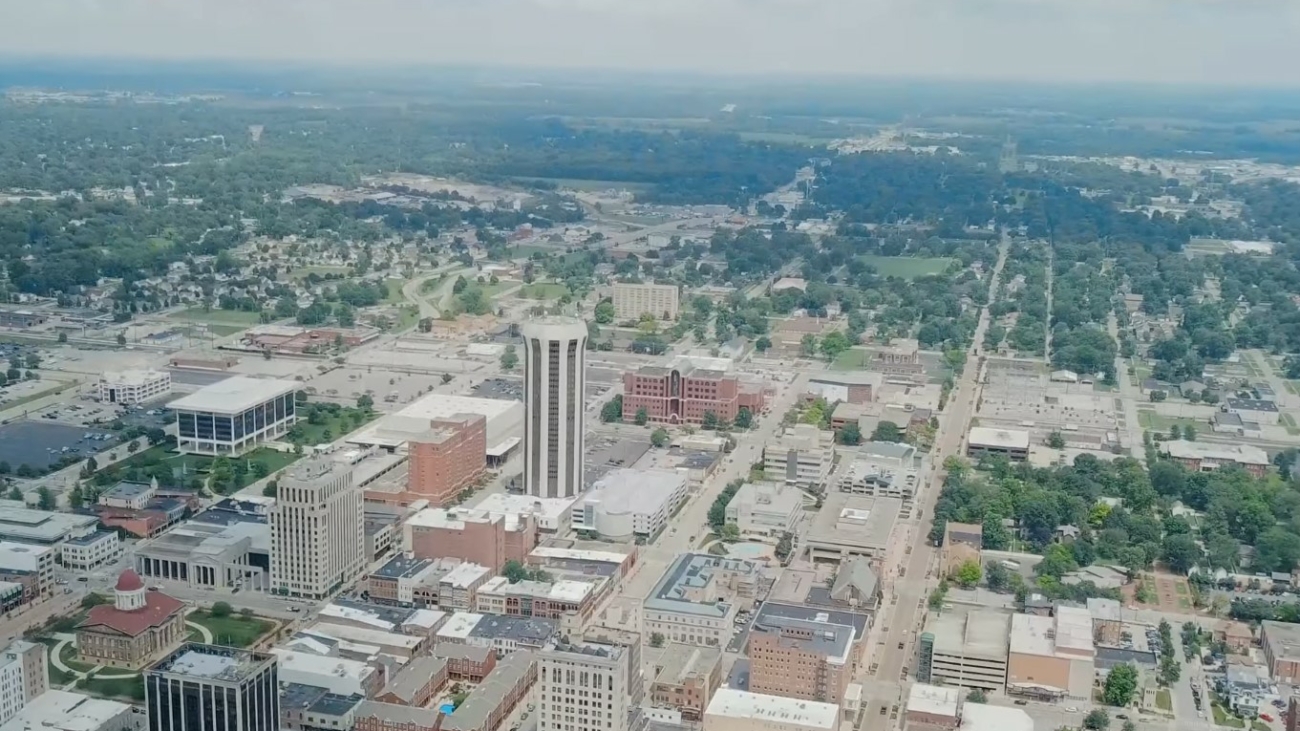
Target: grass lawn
{"x":1163,"y":701}
{"x":217,"y":317}
{"x":1223,"y":718}
{"x":190,"y":465}
{"x":131,"y":688}
{"x":1258,"y":725}
{"x":57,"y":676}
{"x":1148,"y":419}
{"x":850,"y":360}
{"x":543,"y":291}
{"x":907,"y":267}
{"x":394,"y":292}
{"x":234,"y":630}
{"x":337,"y":424}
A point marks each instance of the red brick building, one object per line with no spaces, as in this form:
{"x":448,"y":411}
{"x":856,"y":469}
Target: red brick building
{"x":487,"y":539}
{"x":448,"y":458}
{"x":677,"y":395}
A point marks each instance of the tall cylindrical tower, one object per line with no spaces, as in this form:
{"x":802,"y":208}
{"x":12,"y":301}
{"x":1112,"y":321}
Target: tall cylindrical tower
{"x":555,"y":383}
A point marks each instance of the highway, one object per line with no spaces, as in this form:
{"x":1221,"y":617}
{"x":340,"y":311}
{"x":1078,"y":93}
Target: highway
{"x":906,"y":576}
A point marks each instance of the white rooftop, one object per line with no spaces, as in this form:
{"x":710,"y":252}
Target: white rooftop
{"x":378,"y":638}
{"x":427,"y":618}
{"x":459,"y":625}
{"x":61,"y":710}
{"x":1238,"y":453}
{"x":933,"y":699}
{"x":732,"y":703}
{"x":413,"y":421}
{"x":635,"y":491}
{"x":464,"y":575}
{"x":553,"y":508}
{"x":578,"y":554}
{"x":234,"y":395}
{"x":354,"y":614}
{"x":984,"y":717}
{"x":985,"y":436}
{"x":21,"y":556}
{"x":133,"y":377}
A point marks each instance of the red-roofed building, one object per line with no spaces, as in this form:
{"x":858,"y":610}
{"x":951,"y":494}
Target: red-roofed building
{"x":139,"y":627}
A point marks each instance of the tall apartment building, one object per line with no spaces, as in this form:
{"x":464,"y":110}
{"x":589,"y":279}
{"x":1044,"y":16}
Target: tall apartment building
{"x":555,"y":383}
{"x":133,"y":387}
{"x":211,"y":688}
{"x":478,"y":536}
{"x":631,"y":301}
{"x":683,"y":393}
{"x":24,"y":674}
{"x":800,"y":658}
{"x":317,"y":530}
{"x":802,"y":455}
{"x":448,"y":458}
{"x":583,"y":687}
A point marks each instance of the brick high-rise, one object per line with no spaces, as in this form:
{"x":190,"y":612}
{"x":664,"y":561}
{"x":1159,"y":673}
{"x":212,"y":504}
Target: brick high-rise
{"x":684,"y":393}
{"x":448,"y":458}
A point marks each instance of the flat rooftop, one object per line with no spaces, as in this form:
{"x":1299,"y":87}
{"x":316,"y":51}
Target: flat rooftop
{"x":691,"y":572}
{"x":974,"y":633}
{"x":61,"y":710}
{"x":731,"y":703}
{"x":933,"y":699}
{"x":1238,"y":453}
{"x":1283,"y":639}
{"x":40,"y":526}
{"x":234,"y":395}
{"x":854,"y":522}
{"x":553,"y":508}
{"x":987,"y":436}
{"x":857,"y":620}
{"x":634,"y":491}
{"x":212,"y":662}
{"x":984,"y":717}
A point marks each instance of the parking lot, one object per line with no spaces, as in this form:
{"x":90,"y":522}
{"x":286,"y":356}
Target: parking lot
{"x":41,"y":444}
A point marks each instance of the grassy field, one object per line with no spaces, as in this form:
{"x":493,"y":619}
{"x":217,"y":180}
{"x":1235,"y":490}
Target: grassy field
{"x":543,"y":291}
{"x":346,"y":420}
{"x":233,"y":630}
{"x":850,"y":360}
{"x":131,"y":688}
{"x":394,"y":291}
{"x":907,"y":267}
{"x":1149,"y":419}
{"x":221,"y":322}
{"x":197,"y":466}
{"x":1163,"y":701}
{"x":1223,"y":718}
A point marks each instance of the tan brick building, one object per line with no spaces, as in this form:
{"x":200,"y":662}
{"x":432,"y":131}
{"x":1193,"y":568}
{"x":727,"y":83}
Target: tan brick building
{"x":137,"y":628}
{"x":487,"y":539}
{"x":448,"y":458}
{"x":798,"y":658}
{"x":685,"y":678}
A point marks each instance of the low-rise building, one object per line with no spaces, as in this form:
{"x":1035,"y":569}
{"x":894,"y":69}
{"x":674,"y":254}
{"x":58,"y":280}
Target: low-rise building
{"x":962,"y":542}
{"x":932,"y":708}
{"x":852,"y":525}
{"x":965,"y":648}
{"x":695,"y":601}
{"x":1052,"y":657}
{"x":550,"y":514}
{"x":984,"y":441}
{"x":476,"y":536}
{"x":802,"y":455}
{"x":416,"y":683}
{"x":883,"y":469}
{"x":496,"y":696}
{"x":129,"y":495}
{"x":685,"y":677}
{"x":798,"y":658}
{"x":1281,"y":644}
{"x":91,"y":551}
{"x":628,"y":504}
{"x":765,"y":508}
{"x":551,"y":600}
{"x":857,"y":388}
{"x":138,"y":628}
{"x":1246,"y":691}
{"x":738,"y":710}
{"x":205,"y":554}
{"x":17,"y":559}
{"x":988,"y":717}
{"x":466,"y":662}
{"x":899,"y":357}
{"x":338,"y":675}
{"x":856,"y":586}
{"x":686,"y":392}
{"x":235,"y":415}
{"x":1237,"y":636}
{"x":1258,"y":411}
{"x":1210,"y":456}
{"x":133,"y":386}
{"x":61,"y":710}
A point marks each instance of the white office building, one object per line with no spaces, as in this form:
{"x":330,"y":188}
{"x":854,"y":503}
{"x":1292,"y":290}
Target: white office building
{"x":765,"y":508}
{"x":24,"y":675}
{"x":234,"y":416}
{"x":584,"y":687}
{"x":317,"y":530}
{"x":555,"y":382}
{"x":626,"y":504}
{"x":738,"y":710}
{"x":802,"y":455}
{"x":133,"y":386}
{"x":660,"y":301}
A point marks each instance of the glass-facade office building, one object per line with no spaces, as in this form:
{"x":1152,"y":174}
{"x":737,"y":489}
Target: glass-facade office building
{"x":210,"y":688}
{"x":214,"y":431}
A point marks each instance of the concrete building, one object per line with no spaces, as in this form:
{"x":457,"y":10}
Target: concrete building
{"x":883,"y":469}
{"x":24,"y":675}
{"x":967,"y":649}
{"x":133,"y":387}
{"x":338,"y":675}
{"x":17,"y":559}
{"x":852,"y":525}
{"x":551,"y":515}
{"x":584,"y":687}
{"x":685,"y":391}
{"x":480,"y":537}
{"x":88,"y":552}
{"x":555,"y":387}
{"x":61,"y":710}
{"x":1281,"y":644}
{"x":984,"y":441}
{"x":738,"y":710}
{"x":631,"y":301}
{"x":1052,"y":657}
{"x":551,"y":600}
{"x":503,"y":429}
{"x":447,"y":459}
{"x":696,"y":599}
{"x":416,"y":683}
{"x":209,"y":554}
{"x":137,"y":628}
{"x":317,"y":530}
{"x":199,"y":683}
{"x":1254,"y":410}
{"x":1210,"y":456}
{"x":987,"y":717}
{"x":234,"y":416}
{"x":765,"y":508}
{"x":962,"y":542}
{"x":848,"y":388}
{"x":21,"y":524}
{"x":397,"y":581}
{"x":798,"y":658}
{"x":932,"y":708}
{"x":801,"y":455}
{"x":685,"y":677}
{"x":1235,"y":635}
{"x":628,"y":504}
{"x":901,"y":357}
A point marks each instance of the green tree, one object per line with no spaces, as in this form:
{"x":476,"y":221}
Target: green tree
{"x":1121,"y":684}
{"x":833,"y":344}
{"x":1189,"y":433}
{"x":92,"y":600}
{"x":365,"y":402}
{"x":968,"y":574}
{"x":1097,"y":720}
{"x":850,"y":434}
{"x":612,"y":411}
{"x":808,"y":345}
{"x":1175,"y":433}
{"x":271,"y":489}
{"x":730,"y":532}
{"x":45,"y":499}
{"x":447,"y":378}
{"x":656,"y":639}
{"x":887,"y":431}
{"x":659,"y":438}
{"x":75,"y":498}
{"x":509,"y":358}
{"x":514,"y":571}
{"x":1181,"y":552}
{"x":744,"y":418}
{"x":605,"y":312}
{"x":976,"y":696}
{"x":121,"y":339}
{"x":15,"y":494}
{"x":63,"y":337}
{"x":996,"y":576}
{"x":1056,"y":440}
{"x":763,"y":344}
{"x":221,"y":609}
{"x":709,"y":421}
{"x":642,"y":417}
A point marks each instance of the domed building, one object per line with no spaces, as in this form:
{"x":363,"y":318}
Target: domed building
{"x":140,"y":626}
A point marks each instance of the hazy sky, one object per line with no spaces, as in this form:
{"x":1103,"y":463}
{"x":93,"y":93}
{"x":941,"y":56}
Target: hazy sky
{"x":1249,"y":42}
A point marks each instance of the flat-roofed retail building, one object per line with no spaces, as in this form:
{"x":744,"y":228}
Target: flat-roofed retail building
{"x":234,"y":416}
